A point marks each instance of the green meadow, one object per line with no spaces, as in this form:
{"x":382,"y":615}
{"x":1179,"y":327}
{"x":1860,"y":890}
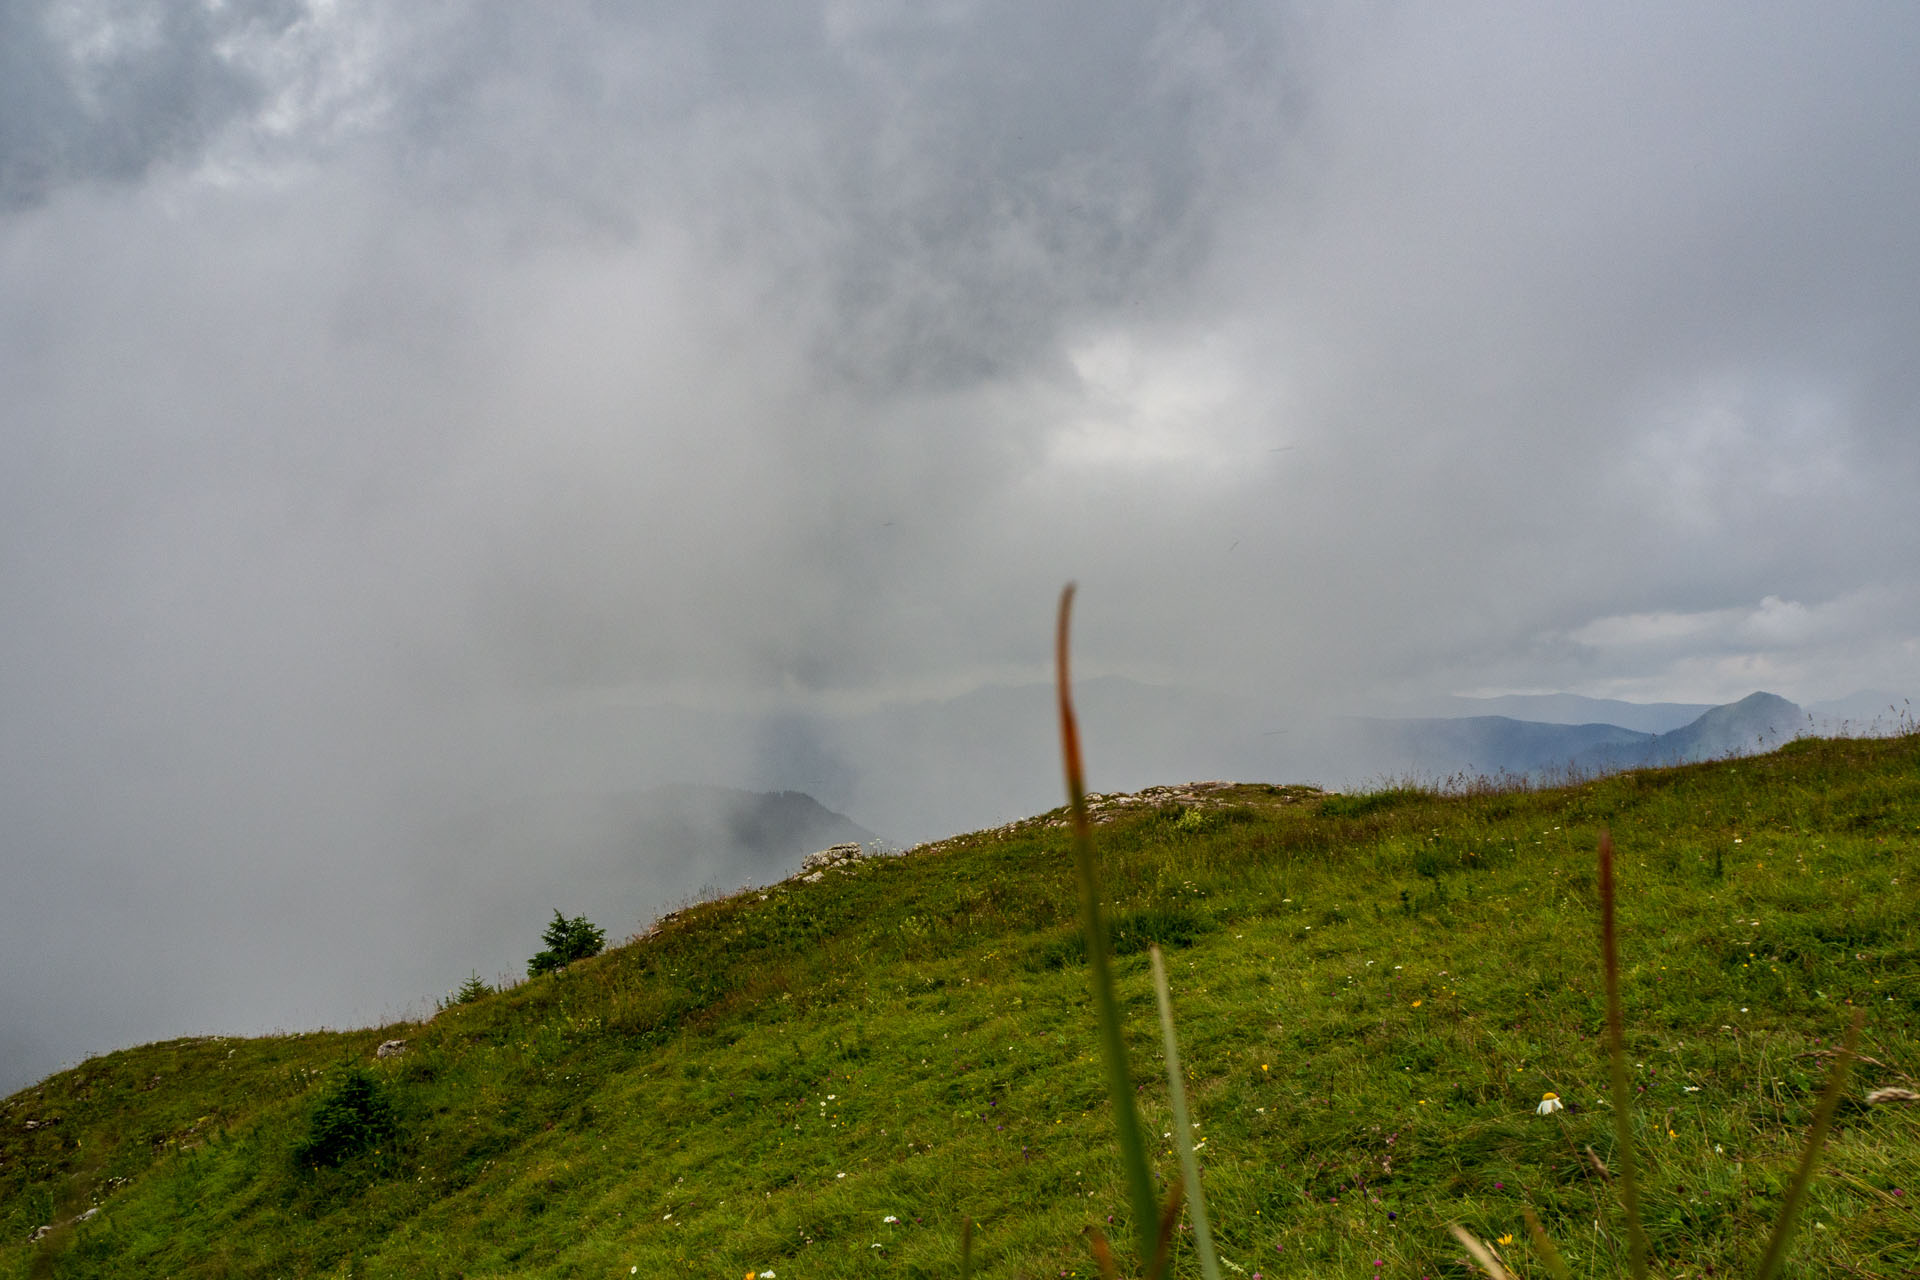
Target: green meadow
{"x":1373,"y":994}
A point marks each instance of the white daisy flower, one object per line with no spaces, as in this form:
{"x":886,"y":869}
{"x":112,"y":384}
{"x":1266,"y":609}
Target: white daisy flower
{"x":1550,"y":1103}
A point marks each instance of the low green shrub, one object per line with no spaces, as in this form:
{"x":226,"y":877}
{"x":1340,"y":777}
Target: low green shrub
{"x":1132,"y":932}
{"x":1128,"y":933}
{"x":1359,"y":806}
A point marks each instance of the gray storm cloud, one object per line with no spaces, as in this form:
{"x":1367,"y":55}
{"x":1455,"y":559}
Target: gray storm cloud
{"x":410,"y":413}
{"x":108,"y":91}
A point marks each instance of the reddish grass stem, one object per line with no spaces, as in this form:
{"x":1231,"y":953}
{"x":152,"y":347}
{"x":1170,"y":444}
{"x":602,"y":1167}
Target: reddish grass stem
{"x":1113,"y":1048}
{"x":1617,"y":1059}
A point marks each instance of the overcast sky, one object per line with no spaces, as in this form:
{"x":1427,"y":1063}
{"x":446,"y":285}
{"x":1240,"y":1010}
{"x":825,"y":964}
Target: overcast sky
{"x":386,"y":392}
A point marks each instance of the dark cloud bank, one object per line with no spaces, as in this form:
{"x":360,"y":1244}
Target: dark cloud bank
{"x":424,"y":431}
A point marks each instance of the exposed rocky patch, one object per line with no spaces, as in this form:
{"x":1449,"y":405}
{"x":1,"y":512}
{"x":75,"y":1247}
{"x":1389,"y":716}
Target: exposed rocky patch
{"x":816,"y":865}
{"x":1105,"y":806}
{"x":1108,"y":805}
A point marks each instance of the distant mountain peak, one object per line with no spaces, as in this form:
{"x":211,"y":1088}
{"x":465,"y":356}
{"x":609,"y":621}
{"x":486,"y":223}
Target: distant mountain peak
{"x":1758,"y":722}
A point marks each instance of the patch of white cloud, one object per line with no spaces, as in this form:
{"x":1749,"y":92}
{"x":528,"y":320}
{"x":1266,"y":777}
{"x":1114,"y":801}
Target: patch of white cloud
{"x":1635,"y":629}
{"x":96,"y":35}
{"x":1714,"y":450}
{"x":327,"y":79}
{"x":1773,"y":622}
{"x":1181,"y":408}
{"x":1806,"y":651}
{"x":324,"y":71}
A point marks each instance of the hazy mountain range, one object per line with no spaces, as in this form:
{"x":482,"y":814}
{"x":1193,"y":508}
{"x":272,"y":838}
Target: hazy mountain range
{"x":916,"y":771}
{"x":1564,"y":708}
{"x":1482,"y":744}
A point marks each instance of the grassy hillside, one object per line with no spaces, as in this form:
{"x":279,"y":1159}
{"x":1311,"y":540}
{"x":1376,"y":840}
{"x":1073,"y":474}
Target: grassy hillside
{"x":1373,"y":993}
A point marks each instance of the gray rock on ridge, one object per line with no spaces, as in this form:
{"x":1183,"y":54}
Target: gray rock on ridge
{"x":816,"y":865}
{"x":46,"y":1229}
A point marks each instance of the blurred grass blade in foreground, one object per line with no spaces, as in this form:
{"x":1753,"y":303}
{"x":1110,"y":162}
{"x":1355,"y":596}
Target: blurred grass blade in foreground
{"x":1103,"y":1257}
{"x":1543,"y":1245}
{"x":1169,"y":1227}
{"x":1617,"y":1063}
{"x":1810,"y":1155}
{"x":1182,"y":1131}
{"x":1113,"y":1049}
{"x":1481,"y":1254}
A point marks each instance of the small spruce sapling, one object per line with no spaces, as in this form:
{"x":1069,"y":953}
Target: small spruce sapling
{"x":567,"y":941}
{"x":352,"y":1115}
{"x":474,"y":988}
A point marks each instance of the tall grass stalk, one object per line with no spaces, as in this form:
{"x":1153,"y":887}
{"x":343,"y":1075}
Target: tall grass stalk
{"x":1480,"y":1253}
{"x":1623,"y":1117}
{"x":1617,"y":1061}
{"x":1182,"y":1131}
{"x":1113,"y":1050}
{"x":1810,"y":1154}
{"x":1543,"y":1245}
